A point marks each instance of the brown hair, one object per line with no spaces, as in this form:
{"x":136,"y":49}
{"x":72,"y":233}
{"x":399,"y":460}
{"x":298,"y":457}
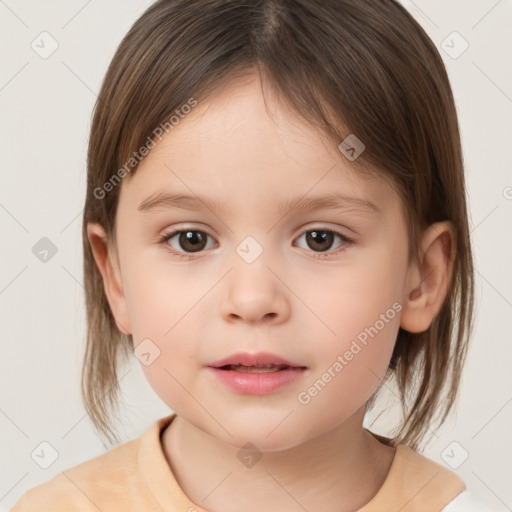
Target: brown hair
{"x":362,"y":67}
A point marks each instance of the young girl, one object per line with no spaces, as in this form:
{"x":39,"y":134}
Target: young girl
{"x":276,"y":227}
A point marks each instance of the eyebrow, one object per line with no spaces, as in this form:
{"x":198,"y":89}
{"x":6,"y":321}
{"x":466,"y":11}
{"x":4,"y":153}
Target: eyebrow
{"x":332,"y":201}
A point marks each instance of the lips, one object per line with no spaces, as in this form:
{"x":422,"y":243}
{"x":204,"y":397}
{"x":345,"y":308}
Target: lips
{"x":259,"y":362}
{"x":267,"y":368}
{"x":260,"y":373}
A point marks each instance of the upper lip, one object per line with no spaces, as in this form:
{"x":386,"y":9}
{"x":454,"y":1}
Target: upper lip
{"x":253,"y":359}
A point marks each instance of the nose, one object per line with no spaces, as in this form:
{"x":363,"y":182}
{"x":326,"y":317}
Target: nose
{"x":253,"y":293}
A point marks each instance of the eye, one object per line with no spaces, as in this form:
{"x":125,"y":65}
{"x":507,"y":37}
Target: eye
{"x":191,"y":240}
{"x":321,"y":240}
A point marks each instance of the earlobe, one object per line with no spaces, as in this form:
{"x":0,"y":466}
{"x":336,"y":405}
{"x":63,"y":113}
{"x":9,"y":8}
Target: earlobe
{"x":112,"y":283}
{"x":429,"y":279}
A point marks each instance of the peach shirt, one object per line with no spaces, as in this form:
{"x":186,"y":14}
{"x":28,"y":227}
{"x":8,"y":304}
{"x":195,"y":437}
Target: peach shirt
{"x":135,"y":476}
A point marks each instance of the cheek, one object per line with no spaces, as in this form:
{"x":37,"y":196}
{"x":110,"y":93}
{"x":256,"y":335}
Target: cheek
{"x":161,"y":308}
{"x":161,"y":297}
{"x":170,"y":373}
{"x":362,"y":295}
{"x":362,"y":309}
{"x":366,"y":355}
{"x":345,"y":378}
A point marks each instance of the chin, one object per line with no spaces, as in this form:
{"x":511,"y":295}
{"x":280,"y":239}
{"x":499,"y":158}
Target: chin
{"x":272,"y":443}
{"x":267,"y":436}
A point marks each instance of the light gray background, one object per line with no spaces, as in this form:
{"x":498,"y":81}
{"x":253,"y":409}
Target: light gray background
{"x":46,"y":107}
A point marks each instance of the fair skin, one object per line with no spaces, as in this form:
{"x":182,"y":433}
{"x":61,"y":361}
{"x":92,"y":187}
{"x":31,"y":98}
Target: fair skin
{"x":291,"y":301}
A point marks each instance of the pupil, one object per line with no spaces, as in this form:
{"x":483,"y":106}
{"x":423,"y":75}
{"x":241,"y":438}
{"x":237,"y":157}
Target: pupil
{"x":315,"y":238}
{"x":319,"y":240}
{"x":192,"y":239}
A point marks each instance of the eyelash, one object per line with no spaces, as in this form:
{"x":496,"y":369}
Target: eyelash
{"x":189,"y":256}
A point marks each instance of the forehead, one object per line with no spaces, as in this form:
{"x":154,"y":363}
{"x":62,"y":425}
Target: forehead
{"x":242,"y":146}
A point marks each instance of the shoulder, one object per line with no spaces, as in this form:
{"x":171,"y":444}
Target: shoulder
{"x":415,"y":483}
{"x":120,"y":479}
{"x":438,"y":483}
{"x":415,"y":468}
{"x":465,"y":502}
{"x":81,"y":487}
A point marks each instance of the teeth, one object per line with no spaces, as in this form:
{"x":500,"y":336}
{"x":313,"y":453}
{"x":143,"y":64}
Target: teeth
{"x":256,"y":369}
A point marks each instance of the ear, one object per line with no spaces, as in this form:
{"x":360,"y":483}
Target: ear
{"x":428,"y":280}
{"x":108,"y":266}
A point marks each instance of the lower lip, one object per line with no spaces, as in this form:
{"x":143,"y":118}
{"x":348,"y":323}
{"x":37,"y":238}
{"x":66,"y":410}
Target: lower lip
{"x":257,"y":383}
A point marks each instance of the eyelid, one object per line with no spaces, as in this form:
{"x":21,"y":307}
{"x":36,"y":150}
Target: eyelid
{"x":170,"y":234}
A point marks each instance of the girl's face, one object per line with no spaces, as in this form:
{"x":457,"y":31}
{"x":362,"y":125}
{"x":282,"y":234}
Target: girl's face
{"x":256,"y":274}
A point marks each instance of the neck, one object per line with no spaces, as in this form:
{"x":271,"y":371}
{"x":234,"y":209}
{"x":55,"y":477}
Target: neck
{"x":340,"y":470}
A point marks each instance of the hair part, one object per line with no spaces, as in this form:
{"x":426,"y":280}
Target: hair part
{"x":346,"y":67}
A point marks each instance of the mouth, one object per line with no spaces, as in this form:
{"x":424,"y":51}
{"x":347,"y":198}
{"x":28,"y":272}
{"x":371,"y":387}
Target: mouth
{"x":257,"y":373}
{"x":267,"y":368}
{"x":258,"y":362}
